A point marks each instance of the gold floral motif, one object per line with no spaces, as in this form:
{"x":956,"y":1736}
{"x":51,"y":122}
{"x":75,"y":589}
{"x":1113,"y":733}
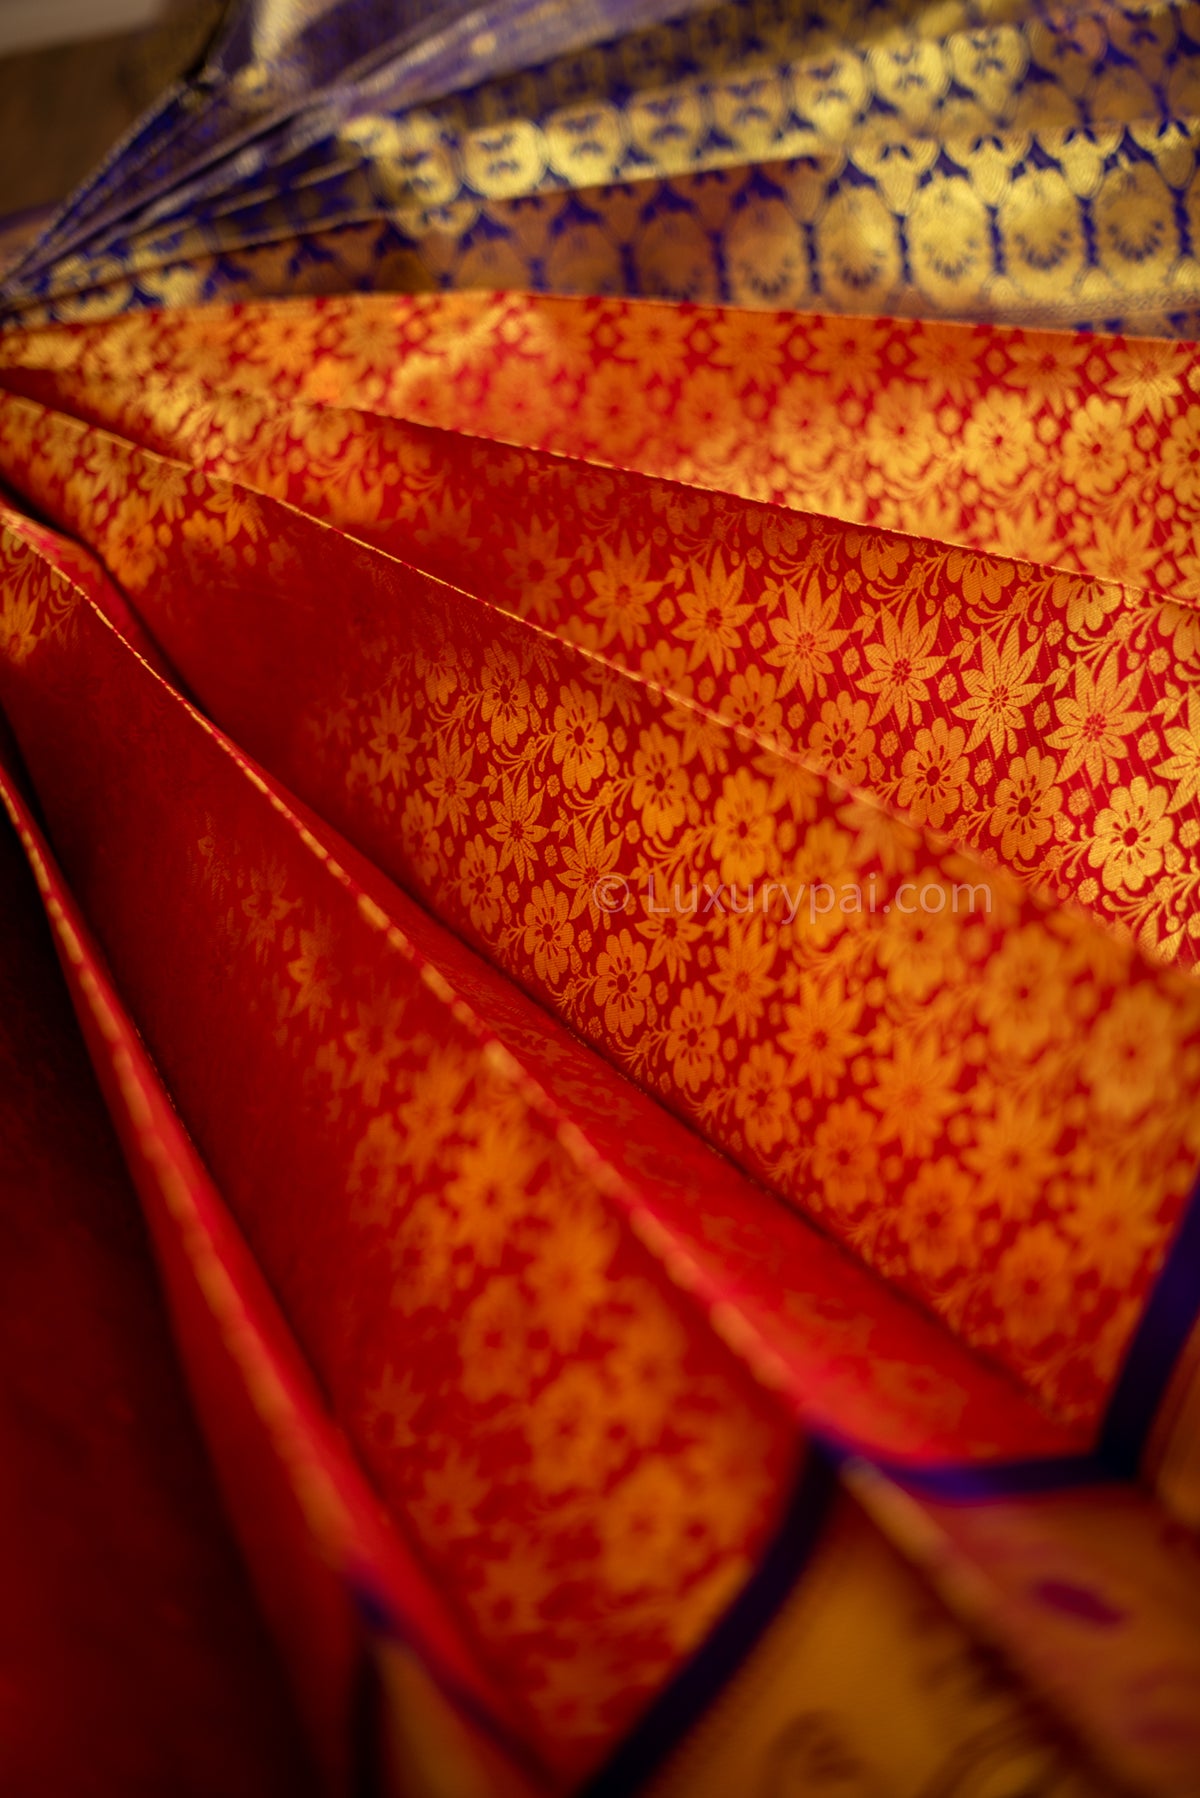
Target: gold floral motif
{"x":564,"y":758}
{"x":858,"y":170}
{"x":494,"y":1274}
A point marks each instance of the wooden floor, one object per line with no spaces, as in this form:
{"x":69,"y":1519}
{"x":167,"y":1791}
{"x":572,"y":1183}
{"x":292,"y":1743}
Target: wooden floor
{"x":61,"y":109}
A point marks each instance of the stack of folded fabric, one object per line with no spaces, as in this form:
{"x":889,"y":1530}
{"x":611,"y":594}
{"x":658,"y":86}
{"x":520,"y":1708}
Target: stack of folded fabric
{"x":628,"y":867}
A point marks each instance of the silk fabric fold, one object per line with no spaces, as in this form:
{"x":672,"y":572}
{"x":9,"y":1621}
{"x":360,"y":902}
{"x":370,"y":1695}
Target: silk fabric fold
{"x":598,"y":1372}
{"x":985,"y":161}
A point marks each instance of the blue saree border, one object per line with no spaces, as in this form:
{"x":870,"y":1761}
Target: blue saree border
{"x":685,"y":1700}
{"x":378,"y":1619}
{"x":1159,"y":1340}
{"x":1170,"y":1316}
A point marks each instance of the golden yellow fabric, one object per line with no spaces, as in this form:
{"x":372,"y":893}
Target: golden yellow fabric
{"x":865,"y":1687}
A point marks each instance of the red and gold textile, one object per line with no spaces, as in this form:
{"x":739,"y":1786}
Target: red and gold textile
{"x":131,"y":1658}
{"x":661,"y":941}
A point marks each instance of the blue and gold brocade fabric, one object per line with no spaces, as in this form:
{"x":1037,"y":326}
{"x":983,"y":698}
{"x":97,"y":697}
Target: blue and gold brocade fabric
{"x":1034,"y":164}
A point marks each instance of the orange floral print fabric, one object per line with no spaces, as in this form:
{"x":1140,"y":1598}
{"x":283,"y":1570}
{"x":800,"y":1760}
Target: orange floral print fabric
{"x":992,"y":1109}
{"x":1065,"y":448}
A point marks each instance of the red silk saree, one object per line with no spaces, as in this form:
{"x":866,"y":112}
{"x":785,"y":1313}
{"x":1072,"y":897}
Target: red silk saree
{"x":628,"y":872}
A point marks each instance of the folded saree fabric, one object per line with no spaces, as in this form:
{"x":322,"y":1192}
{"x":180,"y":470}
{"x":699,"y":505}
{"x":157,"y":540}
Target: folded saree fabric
{"x":130,"y":1653}
{"x":628,"y":868}
{"x":275,"y":82}
{"x":670,"y":996}
{"x":989,"y":159}
{"x":1058,"y":669}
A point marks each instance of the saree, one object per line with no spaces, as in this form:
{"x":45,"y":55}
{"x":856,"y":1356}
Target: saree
{"x":626,"y":863}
